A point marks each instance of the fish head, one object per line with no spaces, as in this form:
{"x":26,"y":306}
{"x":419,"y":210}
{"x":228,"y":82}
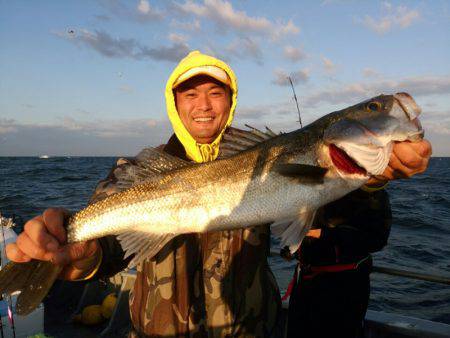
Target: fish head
{"x":360,"y":138}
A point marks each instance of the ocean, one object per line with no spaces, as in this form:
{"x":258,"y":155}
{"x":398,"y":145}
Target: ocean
{"x":419,"y":239}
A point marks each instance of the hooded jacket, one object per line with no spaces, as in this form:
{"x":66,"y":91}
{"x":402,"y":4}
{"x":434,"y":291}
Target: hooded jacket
{"x":195,"y":151}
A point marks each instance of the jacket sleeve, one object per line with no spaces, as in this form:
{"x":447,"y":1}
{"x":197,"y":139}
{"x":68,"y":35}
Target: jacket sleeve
{"x":352,"y":227}
{"x":113,"y":256}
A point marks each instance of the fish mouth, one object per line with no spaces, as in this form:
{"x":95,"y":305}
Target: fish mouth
{"x":343,"y":162}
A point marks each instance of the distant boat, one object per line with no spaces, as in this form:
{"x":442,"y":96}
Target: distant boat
{"x":44,"y":156}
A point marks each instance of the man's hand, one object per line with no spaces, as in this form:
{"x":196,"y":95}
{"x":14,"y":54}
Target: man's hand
{"x":44,"y":238}
{"x":407,"y":159}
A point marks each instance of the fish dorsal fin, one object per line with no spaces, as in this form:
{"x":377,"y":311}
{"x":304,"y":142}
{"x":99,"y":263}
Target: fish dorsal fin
{"x":142,"y":245}
{"x":292,"y":231}
{"x":150,"y":164}
{"x":236,"y":140}
{"x":158,"y":161}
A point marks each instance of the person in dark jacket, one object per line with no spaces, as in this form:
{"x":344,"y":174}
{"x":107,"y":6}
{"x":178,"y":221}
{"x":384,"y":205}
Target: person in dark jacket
{"x":332,"y":287}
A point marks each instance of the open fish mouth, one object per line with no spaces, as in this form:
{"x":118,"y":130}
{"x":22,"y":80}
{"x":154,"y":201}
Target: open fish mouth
{"x":343,"y":162}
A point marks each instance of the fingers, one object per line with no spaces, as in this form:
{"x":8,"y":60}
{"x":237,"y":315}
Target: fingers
{"x":54,"y":221}
{"x":41,"y":237}
{"x":396,"y":169}
{"x":405,"y":156}
{"x":15,"y":254}
{"x":36,"y":230}
{"x":75,"y":253}
{"x":83,"y":258}
{"x":423,"y":148}
{"x":31,"y":249}
{"x":408,"y":159}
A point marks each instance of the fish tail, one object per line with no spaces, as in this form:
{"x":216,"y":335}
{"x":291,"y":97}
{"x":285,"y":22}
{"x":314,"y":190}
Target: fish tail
{"x":33,"y":279}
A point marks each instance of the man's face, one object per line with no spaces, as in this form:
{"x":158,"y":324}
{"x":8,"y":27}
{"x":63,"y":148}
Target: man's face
{"x":203,"y":104}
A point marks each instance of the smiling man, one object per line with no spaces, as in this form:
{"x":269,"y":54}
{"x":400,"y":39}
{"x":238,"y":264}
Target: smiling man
{"x":203,"y":104}
{"x":214,"y":284}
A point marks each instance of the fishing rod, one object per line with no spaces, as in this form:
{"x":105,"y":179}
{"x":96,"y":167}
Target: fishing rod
{"x":296,"y":101}
{"x":1,"y":300}
{"x":9,"y":302}
{"x":1,"y":266}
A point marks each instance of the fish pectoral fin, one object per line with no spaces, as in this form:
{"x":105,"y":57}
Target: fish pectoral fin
{"x":33,"y":279}
{"x":142,"y":245}
{"x":291,"y":232}
{"x":305,"y":173}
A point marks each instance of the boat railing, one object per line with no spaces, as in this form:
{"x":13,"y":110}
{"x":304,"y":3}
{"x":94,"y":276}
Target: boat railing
{"x":399,"y":272}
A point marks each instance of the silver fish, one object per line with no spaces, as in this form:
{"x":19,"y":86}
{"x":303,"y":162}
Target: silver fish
{"x":261,"y":178}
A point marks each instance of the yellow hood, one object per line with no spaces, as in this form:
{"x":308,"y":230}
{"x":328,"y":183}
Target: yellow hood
{"x":195,"y":151}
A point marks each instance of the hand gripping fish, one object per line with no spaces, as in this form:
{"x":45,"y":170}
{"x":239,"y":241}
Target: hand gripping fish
{"x":261,"y":178}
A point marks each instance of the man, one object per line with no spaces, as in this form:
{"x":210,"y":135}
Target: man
{"x":331,"y":294}
{"x":215,"y":284}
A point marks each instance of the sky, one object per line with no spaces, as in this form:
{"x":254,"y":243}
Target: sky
{"x":87,"y":78}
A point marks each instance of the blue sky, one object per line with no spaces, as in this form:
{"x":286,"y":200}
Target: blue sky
{"x":87,"y":77}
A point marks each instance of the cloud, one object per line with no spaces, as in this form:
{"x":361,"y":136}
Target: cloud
{"x":107,"y":128}
{"x":85,"y":112}
{"x":143,"y":7}
{"x":98,"y":127}
{"x":193,"y":26}
{"x":141,"y":13}
{"x":126,"y":89}
{"x":329,"y":66}
{"x":281,"y":77}
{"x":256,"y":112}
{"x":173,"y":53}
{"x":7,"y":126}
{"x":69,"y":136}
{"x":104,"y":18}
{"x":351,"y":93}
{"x":178,"y":38}
{"x":106,"y":45}
{"x":398,"y":17}
{"x":293,"y":54}
{"x":369,"y":72}
{"x":243,"y":48}
{"x":436,"y":121}
{"x":226,"y":17}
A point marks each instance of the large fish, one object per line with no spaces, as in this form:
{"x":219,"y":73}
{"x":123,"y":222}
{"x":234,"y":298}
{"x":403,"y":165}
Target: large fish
{"x":261,"y":178}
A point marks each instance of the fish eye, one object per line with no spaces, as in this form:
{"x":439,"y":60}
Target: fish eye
{"x":374,"y":106}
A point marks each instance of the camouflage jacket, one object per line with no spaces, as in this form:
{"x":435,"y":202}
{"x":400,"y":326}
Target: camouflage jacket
{"x":199,"y":285}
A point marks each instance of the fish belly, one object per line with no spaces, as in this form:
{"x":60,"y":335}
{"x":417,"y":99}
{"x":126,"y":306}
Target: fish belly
{"x":215,"y":207}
